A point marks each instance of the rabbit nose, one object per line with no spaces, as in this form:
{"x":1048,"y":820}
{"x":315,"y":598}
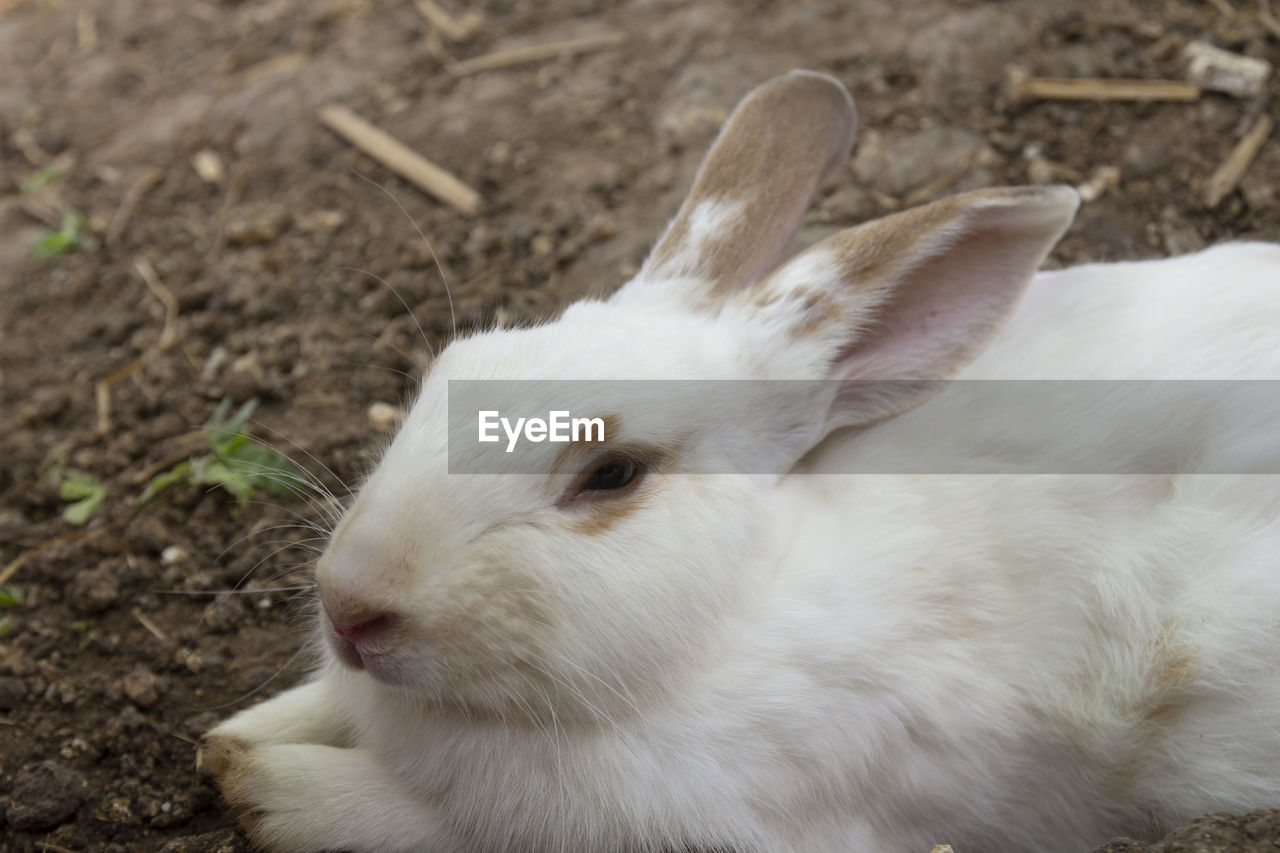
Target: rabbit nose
{"x":365,"y":630}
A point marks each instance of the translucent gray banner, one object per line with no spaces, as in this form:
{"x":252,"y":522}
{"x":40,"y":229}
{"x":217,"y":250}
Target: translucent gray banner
{"x":899,"y":427}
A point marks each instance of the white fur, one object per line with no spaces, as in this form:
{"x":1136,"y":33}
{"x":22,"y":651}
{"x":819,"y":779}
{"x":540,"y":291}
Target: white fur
{"x":811,"y":663}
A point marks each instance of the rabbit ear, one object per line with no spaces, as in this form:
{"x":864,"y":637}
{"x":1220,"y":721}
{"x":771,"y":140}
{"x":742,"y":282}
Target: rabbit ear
{"x":755,"y":183}
{"x":913,"y":296}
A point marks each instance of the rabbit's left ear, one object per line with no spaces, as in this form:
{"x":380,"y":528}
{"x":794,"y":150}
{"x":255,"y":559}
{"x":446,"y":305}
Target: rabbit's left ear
{"x":910,"y":297}
{"x":753,"y":187}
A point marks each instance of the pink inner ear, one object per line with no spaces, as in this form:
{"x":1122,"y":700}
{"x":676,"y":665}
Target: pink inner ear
{"x":943,"y":310}
{"x":915,"y":296}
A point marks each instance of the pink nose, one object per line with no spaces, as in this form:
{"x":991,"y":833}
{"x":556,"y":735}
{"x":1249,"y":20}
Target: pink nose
{"x":365,"y":630}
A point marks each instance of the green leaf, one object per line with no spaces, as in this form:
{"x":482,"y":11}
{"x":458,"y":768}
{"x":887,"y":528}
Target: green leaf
{"x":87,"y":494}
{"x":238,"y":464}
{"x":41,"y":179}
{"x":179,"y":473}
{"x":66,"y":239}
{"x":222,"y":430}
{"x":6,"y":626}
{"x":10,"y":596}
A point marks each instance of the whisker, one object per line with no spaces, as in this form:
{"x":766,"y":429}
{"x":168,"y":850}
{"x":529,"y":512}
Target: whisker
{"x":260,"y":687}
{"x":453,"y":320}
{"x":310,"y":455}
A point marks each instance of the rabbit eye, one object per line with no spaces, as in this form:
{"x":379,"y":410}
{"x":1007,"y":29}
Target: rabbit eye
{"x":614,"y":474}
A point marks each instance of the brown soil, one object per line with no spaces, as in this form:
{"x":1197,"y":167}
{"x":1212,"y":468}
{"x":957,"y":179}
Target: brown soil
{"x":122,"y":650}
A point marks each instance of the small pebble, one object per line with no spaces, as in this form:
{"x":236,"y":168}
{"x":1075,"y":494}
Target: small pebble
{"x":208,"y":166}
{"x":93,"y":591}
{"x":13,"y":692}
{"x":44,"y":796}
{"x":142,"y":688}
{"x":384,"y":417}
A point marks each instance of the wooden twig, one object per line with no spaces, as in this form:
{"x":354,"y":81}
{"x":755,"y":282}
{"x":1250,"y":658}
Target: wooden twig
{"x":86,"y":31}
{"x":168,"y":338}
{"x":1268,"y":21}
{"x":152,"y":627}
{"x":454,"y":29}
{"x":169,"y":333}
{"x":1227,"y":176}
{"x":535,"y":53}
{"x":1224,"y":8}
{"x":398,"y":157}
{"x":1020,"y":86}
{"x":148,"y":180}
{"x":18,"y":562}
{"x":50,"y":847}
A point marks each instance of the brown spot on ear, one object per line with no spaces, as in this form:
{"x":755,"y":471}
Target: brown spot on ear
{"x":870,"y":253}
{"x":774,"y":150}
{"x":603,"y":515}
{"x":818,"y":312}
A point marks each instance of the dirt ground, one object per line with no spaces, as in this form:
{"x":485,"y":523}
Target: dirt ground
{"x":231,"y":246}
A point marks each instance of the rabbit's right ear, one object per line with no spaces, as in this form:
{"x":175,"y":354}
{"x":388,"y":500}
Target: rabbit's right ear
{"x":754,"y":186}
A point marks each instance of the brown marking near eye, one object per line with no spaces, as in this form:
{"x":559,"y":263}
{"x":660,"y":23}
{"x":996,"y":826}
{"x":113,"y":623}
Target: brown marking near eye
{"x":612,"y":429}
{"x":603,"y":515}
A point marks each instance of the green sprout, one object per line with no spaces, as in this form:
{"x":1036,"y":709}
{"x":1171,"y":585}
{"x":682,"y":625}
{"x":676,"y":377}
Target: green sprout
{"x":42,"y":179}
{"x":237,"y":463}
{"x":65,"y":239}
{"x":87,"y":494}
{"x":10,"y":596}
{"x":6,"y":626}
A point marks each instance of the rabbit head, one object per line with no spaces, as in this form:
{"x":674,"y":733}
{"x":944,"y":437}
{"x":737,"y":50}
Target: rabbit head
{"x":598,"y":579}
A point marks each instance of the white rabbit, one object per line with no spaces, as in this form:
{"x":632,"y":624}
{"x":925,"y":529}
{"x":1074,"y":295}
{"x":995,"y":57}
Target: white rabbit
{"x":644,"y":651}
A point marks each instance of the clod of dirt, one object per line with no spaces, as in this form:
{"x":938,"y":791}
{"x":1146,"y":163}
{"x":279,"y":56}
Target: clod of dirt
{"x":43,"y":796}
{"x":1255,"y":832}
{"x":93,"y":591}
{"x":13,"y":692}
{"x":255,"y":225}
{"x":897,"y":164}
{"x":222,"y":841}
{"x":142,"y":687}
{"x":225,"y":613}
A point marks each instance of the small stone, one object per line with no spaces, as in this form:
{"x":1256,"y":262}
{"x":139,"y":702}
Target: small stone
{"x":542,"y":245}
{"x":13,"y":692}
{"x":896,"y":164}
{"x":142,"y":687}
{"x":322,"y":221}
{"x":384,"y":417}
{"x":93,"y":591}
{"x":208,"y":166}
{"x":224,"y":613}
{"x":173,"y":555}
{"x":1220,"y":70}
{"x":116,"y":810}
{"x":44,"y":796}
{"x":257,"y":225}
{"x":1146,"y":157}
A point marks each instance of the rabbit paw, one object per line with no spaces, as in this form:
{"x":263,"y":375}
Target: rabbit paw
{"x":307,"y":798}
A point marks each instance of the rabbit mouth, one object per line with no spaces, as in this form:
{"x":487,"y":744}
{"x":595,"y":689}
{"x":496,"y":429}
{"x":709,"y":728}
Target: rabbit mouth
{"x":381,"y":665}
